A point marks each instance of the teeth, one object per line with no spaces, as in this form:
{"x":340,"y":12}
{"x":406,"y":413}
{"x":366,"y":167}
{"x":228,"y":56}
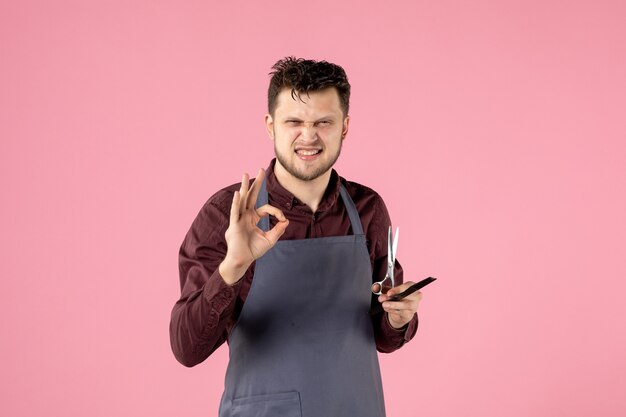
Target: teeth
{"x":307,"y":153}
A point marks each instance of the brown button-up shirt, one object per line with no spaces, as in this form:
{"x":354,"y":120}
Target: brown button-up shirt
{"x":208,"y":308}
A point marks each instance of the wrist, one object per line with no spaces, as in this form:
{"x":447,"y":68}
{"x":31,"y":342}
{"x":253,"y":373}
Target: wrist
{"x":232,"y":272}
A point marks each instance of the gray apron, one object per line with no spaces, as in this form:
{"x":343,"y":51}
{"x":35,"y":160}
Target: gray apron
{"x":304,"y":343}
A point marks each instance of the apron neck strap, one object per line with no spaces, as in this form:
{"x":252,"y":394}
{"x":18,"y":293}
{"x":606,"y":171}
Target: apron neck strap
{"x":355,"y":220}
{"x":261,"y":200}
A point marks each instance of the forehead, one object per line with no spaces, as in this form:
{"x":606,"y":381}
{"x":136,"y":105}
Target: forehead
{"x":315,"y":103}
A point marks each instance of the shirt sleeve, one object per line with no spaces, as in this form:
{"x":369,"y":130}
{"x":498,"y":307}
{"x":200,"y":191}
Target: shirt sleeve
{"x":207,"y":303}
{"x":388,"y":339}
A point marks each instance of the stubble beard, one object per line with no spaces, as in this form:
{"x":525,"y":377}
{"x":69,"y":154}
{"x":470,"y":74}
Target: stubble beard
{"x":303,"y":176}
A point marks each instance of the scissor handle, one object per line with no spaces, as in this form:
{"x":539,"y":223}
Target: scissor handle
{"x":380,"y":284}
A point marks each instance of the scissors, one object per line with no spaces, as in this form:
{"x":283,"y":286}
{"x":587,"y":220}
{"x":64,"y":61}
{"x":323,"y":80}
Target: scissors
{"x":383,"y":285}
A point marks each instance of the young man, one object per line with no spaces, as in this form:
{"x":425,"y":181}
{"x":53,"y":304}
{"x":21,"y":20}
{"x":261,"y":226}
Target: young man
{"x":282,"y":269}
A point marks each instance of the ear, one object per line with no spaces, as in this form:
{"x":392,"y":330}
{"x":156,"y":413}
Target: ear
{"x":269,"y":125}
{"x":344,"y":131}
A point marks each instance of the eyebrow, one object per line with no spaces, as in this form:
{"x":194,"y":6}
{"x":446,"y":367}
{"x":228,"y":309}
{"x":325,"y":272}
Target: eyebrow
{"x":321,"y":119}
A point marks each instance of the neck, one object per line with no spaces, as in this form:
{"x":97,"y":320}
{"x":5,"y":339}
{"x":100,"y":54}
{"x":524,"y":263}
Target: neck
{"x":309,"y":192}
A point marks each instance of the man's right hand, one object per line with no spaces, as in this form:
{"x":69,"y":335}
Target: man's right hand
{"x":245,"y":241}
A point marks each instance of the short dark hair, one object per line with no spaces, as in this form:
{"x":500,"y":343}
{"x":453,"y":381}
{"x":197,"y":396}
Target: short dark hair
{"x":305,"y":76}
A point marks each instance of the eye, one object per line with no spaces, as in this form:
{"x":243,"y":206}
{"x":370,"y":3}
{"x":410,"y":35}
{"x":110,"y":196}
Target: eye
{"x":293,"y":122}
{"x":324,"y":123}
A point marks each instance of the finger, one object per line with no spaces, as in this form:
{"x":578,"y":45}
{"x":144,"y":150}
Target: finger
{"x":386,"y":295}
{"x":400,"y":316}
{"x":403,"y":305}
{"x":279,"y":228}
{"x":376,"y":288}
{"x":392,"y":306}
{"x":245,"y":185}
{"x":254,"y":189}
{"x":234,"y":208}
{"x":266,"y":209}
{"x":399,"y":288}
{"x":277,"y":231}
{"x":399,"y":320}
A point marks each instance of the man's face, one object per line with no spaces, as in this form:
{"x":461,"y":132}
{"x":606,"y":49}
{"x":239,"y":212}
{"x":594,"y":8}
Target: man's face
{"x":307,"y":133}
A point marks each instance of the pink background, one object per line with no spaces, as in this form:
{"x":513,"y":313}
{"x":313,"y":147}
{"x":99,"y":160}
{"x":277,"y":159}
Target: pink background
{"x":494,"y":130}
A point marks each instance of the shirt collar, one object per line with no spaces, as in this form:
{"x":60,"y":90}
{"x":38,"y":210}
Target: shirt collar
{"x":284,"y":199}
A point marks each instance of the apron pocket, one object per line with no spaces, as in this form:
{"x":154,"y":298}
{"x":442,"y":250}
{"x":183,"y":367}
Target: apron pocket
{"x":285,"y":404}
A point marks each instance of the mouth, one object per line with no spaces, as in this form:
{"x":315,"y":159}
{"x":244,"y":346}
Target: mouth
{"x":308,"y":154}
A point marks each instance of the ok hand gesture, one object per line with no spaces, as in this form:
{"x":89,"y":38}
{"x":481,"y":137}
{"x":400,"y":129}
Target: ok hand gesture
{"x":245,"y":241}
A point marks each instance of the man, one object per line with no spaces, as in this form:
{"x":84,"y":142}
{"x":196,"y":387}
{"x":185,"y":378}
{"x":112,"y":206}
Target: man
{"x":282,"y":268}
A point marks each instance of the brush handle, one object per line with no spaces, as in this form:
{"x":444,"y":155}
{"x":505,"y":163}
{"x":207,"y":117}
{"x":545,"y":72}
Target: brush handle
{"x":412,"y":289}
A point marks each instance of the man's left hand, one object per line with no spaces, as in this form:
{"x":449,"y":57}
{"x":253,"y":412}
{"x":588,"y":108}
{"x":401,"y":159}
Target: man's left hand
{"x":400,"y":312}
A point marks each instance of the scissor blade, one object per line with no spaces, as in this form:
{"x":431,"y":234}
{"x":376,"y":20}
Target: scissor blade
{"x":390,"y":259}
{"x":395,"y":244}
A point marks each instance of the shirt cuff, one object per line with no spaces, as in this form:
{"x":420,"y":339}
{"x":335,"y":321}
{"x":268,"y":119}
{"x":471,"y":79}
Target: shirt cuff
{"x":219,"y":294}
{"x":402,"y":335}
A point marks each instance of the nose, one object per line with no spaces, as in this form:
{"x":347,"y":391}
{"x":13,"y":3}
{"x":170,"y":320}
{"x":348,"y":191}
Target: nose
{"x":308,"y":132}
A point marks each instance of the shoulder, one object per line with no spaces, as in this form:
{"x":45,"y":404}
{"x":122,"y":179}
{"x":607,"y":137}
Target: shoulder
{"x":215,"y":212}
{"x":373,"y":213}
{"x":212,"y":220}
{"x":370,"y":205}
{"x":222,"y":199}
{"x":363,"y":196}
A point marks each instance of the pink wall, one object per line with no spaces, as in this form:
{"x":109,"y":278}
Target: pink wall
{"x":495,"y":131}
